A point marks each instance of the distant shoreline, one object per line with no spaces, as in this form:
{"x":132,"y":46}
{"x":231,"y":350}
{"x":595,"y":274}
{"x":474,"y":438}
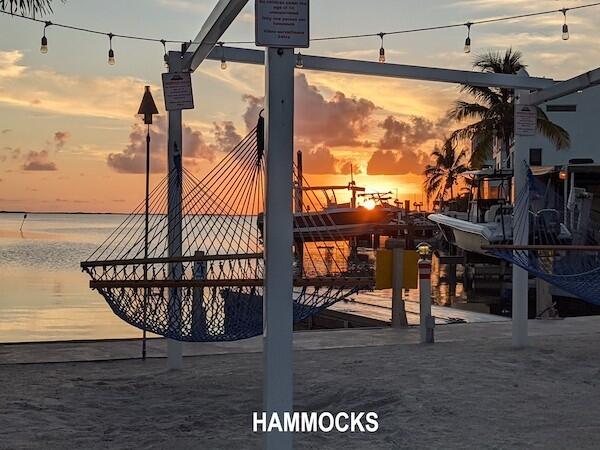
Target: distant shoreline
{"x":64,"y":212}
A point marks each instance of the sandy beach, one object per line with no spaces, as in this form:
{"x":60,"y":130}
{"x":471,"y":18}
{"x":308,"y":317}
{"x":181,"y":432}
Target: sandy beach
{"x":475,"y":393}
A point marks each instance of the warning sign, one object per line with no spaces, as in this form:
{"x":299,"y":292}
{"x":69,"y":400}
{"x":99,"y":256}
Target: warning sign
{"x":282,"y":23}
{"x":525,"y":120}
{"x":177,"y":88}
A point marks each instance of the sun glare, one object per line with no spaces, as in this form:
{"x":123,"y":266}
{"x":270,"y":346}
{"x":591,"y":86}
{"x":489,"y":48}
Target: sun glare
{"x":369,"y":204}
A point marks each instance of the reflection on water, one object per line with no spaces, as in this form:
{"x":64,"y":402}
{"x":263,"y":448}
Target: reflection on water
{"x":45,"y":296}
{"x":43,"y":293}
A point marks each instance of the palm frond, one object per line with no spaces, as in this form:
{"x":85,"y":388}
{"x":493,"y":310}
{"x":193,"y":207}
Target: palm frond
{"x":509,"y":62}
{"x":482,"y":149}
{"x":442,"y":176}
{"x":486,"y":95}
{"x":467,"y":111}
{"x":26,"y":6}
{"x":552,"y":131}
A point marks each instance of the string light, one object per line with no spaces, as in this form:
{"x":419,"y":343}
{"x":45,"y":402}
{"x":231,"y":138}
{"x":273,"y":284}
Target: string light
{"x":44,"y":44}
{"x":467,"y":48}
{"x":299,"y":61}
{"x":565,"y":27}
{"x":381,"y":50}
{"x":223,"y":61}
{"x":166,"y":55}
{"x":111,"y":52}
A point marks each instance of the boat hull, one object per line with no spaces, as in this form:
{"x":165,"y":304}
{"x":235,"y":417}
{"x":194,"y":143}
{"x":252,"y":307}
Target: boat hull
{"x":468,"y":236}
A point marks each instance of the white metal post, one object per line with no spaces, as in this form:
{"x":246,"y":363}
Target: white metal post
{"x":426,"y":320}
{"x":520,"y":284}
{"x":278,"y":305}
{"x":174,"y":217}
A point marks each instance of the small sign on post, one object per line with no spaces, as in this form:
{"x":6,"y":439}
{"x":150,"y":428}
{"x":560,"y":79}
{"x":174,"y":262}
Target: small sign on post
{"x":384,"y":274}
{"x":282,"y":23}
{"x":525,"y":120}
{"x":177,"y":88}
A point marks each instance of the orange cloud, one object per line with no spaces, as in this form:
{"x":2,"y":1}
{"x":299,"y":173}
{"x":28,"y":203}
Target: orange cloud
{"x":394,"y":162}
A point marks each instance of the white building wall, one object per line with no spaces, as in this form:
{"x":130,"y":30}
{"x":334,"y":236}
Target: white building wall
{"x":583,"y":126}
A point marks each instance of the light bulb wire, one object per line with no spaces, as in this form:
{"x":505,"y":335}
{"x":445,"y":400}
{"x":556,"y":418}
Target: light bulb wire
{"x":47,"y":23}
{"x":221,"y":44}
{"x":110,"y":38}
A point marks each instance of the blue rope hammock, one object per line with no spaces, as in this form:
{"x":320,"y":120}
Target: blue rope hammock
{"x":549,"y":256}
{"x":214,"y":291}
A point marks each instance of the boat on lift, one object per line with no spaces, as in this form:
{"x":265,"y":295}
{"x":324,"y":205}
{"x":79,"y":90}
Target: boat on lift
{"x":488,"y":219}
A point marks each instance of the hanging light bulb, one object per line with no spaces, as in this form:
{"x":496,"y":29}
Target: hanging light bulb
{"x":111,"y":53}
{"x":565,"y":27}
{"x":299,"y":61}
{"x":166,"y":55}
{"x":381,"y":50}
{"x":467,"y":48}
{"x":44,"y":44}
{"x":223,"y":60}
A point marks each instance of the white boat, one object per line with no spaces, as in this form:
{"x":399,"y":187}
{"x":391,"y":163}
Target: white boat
{"x":489,"y":216}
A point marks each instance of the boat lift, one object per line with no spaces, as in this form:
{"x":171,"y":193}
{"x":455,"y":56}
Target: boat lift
{"x":279,"y":115}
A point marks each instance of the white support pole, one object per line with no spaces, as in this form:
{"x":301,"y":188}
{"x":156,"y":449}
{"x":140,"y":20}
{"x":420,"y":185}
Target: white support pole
{"x":520,"y":283}
{"x":426,"y":320}
{"x":175,"y":186}
{"x":278,"y":305}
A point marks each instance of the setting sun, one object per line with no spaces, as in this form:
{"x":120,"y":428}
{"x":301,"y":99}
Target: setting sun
{"x":369,"y":204}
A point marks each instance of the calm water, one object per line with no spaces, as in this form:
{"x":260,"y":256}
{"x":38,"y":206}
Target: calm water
{"x":43,"y":293}
{"x":45,"y":296}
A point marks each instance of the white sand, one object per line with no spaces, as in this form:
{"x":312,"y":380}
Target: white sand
{"x":481,"y":394}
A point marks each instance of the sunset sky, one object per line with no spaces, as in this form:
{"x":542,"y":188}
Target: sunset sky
{"x":70,"y":139}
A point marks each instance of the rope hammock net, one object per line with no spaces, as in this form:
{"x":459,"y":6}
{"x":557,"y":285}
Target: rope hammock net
{"x":200,"y":276}
{"x":568,"y":259}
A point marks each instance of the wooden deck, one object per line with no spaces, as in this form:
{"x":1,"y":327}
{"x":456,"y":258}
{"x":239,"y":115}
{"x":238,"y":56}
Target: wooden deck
{"x":374,"y":309}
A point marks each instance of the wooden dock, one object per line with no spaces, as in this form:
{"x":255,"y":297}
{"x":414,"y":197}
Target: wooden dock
{"x":373,"y":309}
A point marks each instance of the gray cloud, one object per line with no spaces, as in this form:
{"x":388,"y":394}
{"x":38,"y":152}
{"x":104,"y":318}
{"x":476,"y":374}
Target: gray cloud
{"x":38,"y":161}
{"x":226,"y":136}
{"x":406,"y":135}
{"x":61,"y":138}
{"x":132,"y":159}
{"x":338,"y":121}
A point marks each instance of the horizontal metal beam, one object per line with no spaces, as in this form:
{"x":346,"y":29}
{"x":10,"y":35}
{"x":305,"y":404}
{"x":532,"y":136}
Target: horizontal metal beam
{"x":350,"y":66}
{"x":578,"y":83}
{"x":237,"y":55}
{"x":222,"y":15}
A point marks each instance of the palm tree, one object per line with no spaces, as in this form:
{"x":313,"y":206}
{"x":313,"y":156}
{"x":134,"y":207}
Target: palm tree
{"x":442,"y":176}
{"x":26,"y":6}
{"x":493,"y":111}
